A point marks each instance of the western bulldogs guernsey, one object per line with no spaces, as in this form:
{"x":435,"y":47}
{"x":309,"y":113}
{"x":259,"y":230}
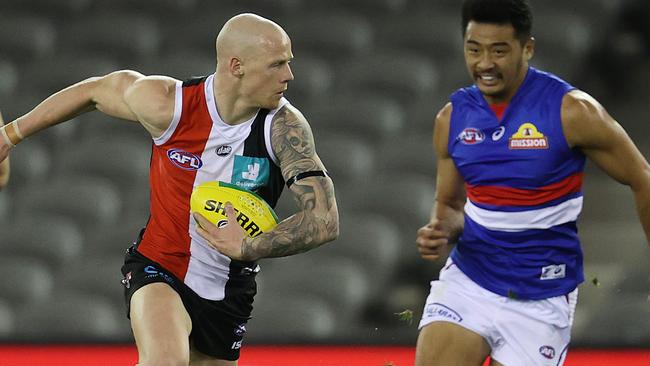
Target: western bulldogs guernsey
{"x":198,"y":147}
{"x":523,"y":186}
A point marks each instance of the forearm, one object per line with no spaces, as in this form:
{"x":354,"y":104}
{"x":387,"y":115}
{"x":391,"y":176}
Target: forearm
{"x":450,"y":216}
{"x":315,"y":224}
{"x":297,"y":234}
{"x":59,"y":107}
{"x":642,"y":198}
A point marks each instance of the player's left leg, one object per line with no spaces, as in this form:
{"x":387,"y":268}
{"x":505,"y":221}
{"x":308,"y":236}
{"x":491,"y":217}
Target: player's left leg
{"x":200,"y":359}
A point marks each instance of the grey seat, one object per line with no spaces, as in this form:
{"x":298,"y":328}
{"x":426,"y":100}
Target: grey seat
{"x":91,"y":202}
{"x":101,"y":277}
{"x":24,"y":280}
{"x":349,"y":160}
{"x":121,"y":36}
{"x":30,"y":163}
{"x":8,"y":77}
{"x":53,"y":74}
{"x":313,"y":79}
{"x":25,"y":37}
{"x":300,"y":317}
{"x":398,"y":75}
{"x":71,"y":317}
{"x":7,"y":320}
{"x":331,"y":35}
{"x":341,"y":282}
{"x":53,"y":240}
{"x":364,"y":115}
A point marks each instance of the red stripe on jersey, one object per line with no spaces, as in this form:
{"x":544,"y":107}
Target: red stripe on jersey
{"x":506,"y":196}
{"x":166,"y":239}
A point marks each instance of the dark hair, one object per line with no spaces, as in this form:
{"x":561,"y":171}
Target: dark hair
{"x":514,"y":12}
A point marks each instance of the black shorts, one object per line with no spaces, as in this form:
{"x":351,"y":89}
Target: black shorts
{"x":218,"y":327}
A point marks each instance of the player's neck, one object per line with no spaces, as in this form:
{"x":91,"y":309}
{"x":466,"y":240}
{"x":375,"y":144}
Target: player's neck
{"x":230,"y":106}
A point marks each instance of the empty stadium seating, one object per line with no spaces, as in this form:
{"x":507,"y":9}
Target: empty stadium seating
{"x":370,"y":76}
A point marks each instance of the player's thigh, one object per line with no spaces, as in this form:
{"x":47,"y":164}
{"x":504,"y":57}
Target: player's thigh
{"x":200,"y":359}
{"x":448,"y":344}
{"x":161,"y":325}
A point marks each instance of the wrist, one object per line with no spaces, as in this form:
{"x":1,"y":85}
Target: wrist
{"x":11,"y":134}
{"x":248,"y":250}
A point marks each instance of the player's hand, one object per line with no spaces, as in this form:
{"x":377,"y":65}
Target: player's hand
{"x":228,"y":239}
{"x":432,"y":241}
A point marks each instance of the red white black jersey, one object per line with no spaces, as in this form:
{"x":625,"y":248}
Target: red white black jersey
{"x":199,"y":147}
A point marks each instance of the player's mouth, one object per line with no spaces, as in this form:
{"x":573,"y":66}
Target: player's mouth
{"x":488,"y":79}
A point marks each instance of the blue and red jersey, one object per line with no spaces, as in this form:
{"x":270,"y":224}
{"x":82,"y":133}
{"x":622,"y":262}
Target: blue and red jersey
{"x":524,"y":191}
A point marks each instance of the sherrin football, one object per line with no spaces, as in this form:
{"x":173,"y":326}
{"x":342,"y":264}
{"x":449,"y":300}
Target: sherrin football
{"x":254,"y":215}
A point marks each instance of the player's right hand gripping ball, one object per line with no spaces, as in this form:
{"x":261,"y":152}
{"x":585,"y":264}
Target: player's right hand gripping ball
{"x":254,"y":215}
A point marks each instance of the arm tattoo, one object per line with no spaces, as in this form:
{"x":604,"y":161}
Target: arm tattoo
{"x":316,"y":222}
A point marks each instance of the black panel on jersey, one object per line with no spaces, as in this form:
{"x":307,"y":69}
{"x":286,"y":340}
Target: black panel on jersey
{"x":255,"y":146}
{"x":194,"y":81}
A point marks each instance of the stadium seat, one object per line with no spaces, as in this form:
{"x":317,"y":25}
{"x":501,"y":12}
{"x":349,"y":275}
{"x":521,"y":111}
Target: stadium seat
{"x":30,"y":163}
{"x":96,"y":125}
{"x":26,"y":37}
{"x":612,"y":239}
{"x":290,"y":317}
{"x":92,"y":202}
{"x":62,"y":10}
{"x":395,"y":74}
{"x":412,"y":153}
{"x":121,"y":36}
{"x":8,"y":76}
{"x":313,"y":80}
{"x":53,"y":74}
{"x":101,"y":276}
{"x":24,"y":280}
{"x":365,"y":7}
{"x":348,"y":160}
{"x":367,"y":116}
{"x":7,"y":321}
{"x":331,"y":35}
{"x":127,"y":164}
{"x":373,"y":242}
{"x":5,"y":205}
{"x":339,"y":281}
{"x":71,"y":317}
{"x":53,"y":240}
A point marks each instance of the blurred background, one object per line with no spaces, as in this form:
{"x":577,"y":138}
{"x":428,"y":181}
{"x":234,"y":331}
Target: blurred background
{"x":370,"y":76}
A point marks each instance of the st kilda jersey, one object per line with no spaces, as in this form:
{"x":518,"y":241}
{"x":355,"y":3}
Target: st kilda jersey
{"x":199,"y":147}
{"x":524,"y":191}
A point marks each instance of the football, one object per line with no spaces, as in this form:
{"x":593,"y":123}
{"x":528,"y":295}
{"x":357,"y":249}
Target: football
{"x":254,"y":215}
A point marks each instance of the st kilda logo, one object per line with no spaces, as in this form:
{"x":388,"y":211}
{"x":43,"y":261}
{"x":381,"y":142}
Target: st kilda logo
{"x":224,"y":150}
{"x":471,"y":136}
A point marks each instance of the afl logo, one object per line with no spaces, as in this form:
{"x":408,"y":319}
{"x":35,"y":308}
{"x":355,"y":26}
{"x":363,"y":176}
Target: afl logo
{"x":471,"y":136}
{"x":224,"y":150}
{"x":184,"y":160}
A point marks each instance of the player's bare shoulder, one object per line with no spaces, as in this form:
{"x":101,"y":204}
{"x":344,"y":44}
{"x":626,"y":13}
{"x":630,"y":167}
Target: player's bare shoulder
{"x":152,"y":100}
{"x":441,"y":129}
{"x":293,"y":142}
{"x":585,"y":121}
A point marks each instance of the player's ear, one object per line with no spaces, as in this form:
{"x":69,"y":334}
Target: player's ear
{"x":236,"y":68}
{"x":529,"y":48}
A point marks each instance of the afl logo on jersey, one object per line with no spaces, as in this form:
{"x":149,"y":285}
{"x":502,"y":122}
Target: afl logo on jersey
{"x":224,"y":150}
{"x":471,"y":136}
{"x":184,"y":160}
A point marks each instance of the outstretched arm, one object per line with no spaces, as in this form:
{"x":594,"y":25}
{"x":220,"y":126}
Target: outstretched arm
{"x":317,"y":220}
{"x":447,"y":218}
{"x":122,"y":94}
{"x":588,"y":126}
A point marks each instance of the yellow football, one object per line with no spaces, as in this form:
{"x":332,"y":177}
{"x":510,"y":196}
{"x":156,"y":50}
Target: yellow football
{"x":254,"y":215}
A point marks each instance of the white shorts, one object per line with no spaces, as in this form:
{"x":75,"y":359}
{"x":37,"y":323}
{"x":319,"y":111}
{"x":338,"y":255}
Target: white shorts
{"x":519,"y":332}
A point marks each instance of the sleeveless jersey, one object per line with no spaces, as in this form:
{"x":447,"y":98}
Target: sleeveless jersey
{"x":199,"y":147}
{"x":524,"y":191}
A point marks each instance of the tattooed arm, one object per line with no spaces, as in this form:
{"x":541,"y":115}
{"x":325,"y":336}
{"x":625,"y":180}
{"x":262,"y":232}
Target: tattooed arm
{"x":317,"y":220}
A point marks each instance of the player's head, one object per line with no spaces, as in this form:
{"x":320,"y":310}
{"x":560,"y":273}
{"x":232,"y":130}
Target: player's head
{"x":497,"y":44}
{"x":254,"y":53}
